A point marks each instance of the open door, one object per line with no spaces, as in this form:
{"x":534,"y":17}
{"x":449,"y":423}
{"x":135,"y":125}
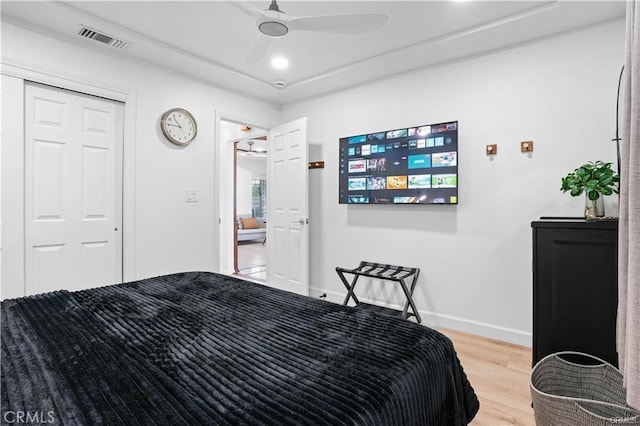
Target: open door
{"x":287,"y":207}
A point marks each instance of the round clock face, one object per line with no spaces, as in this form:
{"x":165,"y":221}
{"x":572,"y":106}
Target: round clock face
{"x":178,"y":126}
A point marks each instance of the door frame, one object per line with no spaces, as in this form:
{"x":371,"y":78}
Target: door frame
{"x":224,"y":195}
{"x":13,"y":256}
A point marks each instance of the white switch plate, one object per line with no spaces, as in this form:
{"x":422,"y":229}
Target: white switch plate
{"x":191,"y":195}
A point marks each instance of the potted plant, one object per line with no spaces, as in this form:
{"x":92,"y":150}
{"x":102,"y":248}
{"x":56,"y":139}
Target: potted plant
{"x":595,"y":179}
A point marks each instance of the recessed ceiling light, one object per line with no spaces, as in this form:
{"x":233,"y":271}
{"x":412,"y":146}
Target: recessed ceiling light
{"x":280,"y":63}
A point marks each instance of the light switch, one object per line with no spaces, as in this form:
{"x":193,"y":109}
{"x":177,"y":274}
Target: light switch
{"x":191,"y":195}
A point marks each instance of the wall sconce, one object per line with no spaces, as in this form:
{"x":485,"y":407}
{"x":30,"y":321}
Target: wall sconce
{"x":492,"y":149}
{"x":526,"y":146}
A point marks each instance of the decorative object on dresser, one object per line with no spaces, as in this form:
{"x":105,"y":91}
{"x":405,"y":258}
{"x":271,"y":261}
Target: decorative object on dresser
{"x":575,"y":287}
{"x":595,"y":179}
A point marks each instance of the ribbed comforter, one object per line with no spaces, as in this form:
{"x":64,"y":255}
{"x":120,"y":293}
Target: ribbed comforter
{"x":206,"y":349}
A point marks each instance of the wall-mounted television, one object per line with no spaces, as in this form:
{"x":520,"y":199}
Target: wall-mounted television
{"x":414,"y":165}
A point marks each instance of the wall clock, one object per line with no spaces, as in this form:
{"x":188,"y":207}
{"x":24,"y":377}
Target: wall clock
{"x":178,"y":126}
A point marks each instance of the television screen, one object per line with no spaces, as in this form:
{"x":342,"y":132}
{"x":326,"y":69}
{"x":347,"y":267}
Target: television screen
{"x":416,"y":165}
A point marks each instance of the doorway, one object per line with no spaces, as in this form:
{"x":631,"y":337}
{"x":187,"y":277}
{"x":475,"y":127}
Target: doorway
{"x":288,"y":217}
{"x":250,"y":257}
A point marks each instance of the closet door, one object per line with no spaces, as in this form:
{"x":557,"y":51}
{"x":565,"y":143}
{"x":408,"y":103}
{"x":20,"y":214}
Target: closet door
{"x":73,"y":190}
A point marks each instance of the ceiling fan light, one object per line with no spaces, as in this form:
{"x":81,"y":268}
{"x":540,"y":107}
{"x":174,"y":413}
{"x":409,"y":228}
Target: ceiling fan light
{"x":280,"y":63}
{"x":273,"y":28}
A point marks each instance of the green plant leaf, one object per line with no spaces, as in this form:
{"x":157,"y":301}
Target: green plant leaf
{"x":595,"y":177}
{"x":606,"y":180}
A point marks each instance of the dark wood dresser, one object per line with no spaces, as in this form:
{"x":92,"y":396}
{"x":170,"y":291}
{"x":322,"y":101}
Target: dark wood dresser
{"x":575,"y":287}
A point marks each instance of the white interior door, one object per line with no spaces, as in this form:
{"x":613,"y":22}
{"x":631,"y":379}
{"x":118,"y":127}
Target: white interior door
{"x":287,"y":208}
{"x":73,"y":190}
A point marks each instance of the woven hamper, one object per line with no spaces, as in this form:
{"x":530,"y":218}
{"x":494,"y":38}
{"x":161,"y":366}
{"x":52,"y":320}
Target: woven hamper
{"x":565,"y":393}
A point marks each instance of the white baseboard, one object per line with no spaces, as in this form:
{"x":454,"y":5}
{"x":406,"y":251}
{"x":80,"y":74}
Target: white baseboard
{"x":435,"y":320}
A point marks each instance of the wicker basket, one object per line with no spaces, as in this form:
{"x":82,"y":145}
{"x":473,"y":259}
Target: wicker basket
{"x":565,"y":393}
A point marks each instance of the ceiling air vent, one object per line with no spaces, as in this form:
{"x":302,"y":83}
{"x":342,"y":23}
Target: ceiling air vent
{"x":92,"y":34}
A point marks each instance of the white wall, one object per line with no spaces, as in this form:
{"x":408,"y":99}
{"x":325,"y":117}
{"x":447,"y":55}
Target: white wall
{"x":248,"y":168}
{"x":475,"y":258}
{"x":168,"y":234}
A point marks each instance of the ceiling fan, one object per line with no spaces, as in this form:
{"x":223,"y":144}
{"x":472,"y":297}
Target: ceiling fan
{"x":273,"y":23}
{"x":251,"y":151}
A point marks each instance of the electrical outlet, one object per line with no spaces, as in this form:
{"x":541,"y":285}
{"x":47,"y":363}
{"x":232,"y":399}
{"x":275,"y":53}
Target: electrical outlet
{"x":191,"y":195}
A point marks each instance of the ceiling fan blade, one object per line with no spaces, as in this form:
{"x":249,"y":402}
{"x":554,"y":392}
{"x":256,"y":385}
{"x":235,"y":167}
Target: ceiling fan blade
{"x":340,"y":24}
{"x":259,"y":49}
{"x":248,"y":9}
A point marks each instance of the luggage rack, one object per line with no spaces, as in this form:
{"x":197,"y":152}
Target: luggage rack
{"x":383,"y":272}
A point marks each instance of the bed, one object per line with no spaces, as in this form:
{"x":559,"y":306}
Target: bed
{"x":202,"y":348}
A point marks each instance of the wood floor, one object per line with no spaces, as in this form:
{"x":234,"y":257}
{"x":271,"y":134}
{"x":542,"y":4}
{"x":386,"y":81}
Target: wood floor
{"x":499,"y":373}
{"x":252,"y":260}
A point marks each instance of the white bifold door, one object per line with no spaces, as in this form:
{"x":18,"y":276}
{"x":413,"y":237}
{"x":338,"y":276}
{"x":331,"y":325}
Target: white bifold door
{"x":287,"y":208}
{"x":73,"y":190}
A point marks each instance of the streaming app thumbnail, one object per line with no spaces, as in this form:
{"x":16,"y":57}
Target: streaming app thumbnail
{"x":374,"y":149}
{"x":451,"y":126}
{"x":357,"y":139}
{"x":357,"y":184}
{"x":357,"y":166}
{"x":381,"y":200}
{"x":366,"y":149}
{"x":358,"y":199}
{"x":440,"y":141}
{"x":453,"y":199}
{"x":439,"y":128}
{"x":352,"y":151}
{"x":404,"y":200}
{"x":396,"y":182}
{"x":380,"y":148}
{"x":419,"y":181}
{"x":420,"y":131}
{"x":376,"y":136}
{"x":397,"y":165}
{"x":396,"y":133}
{"x":444,"y":181}
{"x":431,"y":142}
{"x":413,"y":144}
{"x":419,"y":161}
{"x":445,"y":159}
{"x":421,"y":143}
{"x":377,"y":165}
{"x":376,"y":182}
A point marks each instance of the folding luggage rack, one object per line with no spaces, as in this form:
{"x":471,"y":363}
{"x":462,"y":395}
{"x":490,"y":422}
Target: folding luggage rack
{"x":383,"y":272}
